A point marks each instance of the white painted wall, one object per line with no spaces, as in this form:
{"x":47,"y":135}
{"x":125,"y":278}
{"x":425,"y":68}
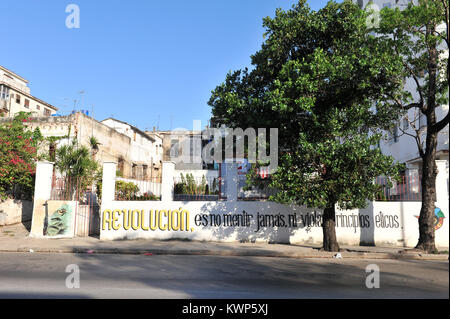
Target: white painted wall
{"x":381,"y":223}
{"x":385,"y":223}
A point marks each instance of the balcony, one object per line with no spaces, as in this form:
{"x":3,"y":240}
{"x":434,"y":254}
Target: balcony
{"x":13,"y":84}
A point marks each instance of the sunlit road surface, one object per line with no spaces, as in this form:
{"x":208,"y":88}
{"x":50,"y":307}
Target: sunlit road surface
{"x":39,"y":275}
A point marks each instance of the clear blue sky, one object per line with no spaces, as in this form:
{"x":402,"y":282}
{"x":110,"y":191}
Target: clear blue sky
{"x":135,"y":60}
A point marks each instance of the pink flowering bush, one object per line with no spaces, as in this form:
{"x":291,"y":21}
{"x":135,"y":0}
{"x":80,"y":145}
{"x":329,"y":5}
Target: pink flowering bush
{"x":18,"y":155}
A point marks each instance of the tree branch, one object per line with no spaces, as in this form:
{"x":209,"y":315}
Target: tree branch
{"x":417,"y":138}
{"x":436,"y":127}
{"x":399,"y":103}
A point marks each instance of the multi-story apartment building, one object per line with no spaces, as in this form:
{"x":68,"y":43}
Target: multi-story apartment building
{"x":15,"y":96}
{"x":145,"y":153}
{"x":400,"y":144}
{"x":184,"y":147}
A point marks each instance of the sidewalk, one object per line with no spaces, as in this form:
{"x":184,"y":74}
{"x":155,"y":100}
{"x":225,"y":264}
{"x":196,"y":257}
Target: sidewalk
{"x":15,"y":238}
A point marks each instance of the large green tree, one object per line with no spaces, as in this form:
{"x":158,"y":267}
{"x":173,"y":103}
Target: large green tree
{"x":317,"y":78}
{"x":419,"y":34}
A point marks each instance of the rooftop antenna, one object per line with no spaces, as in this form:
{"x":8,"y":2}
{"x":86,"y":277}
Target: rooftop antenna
{"x":81,"y":98}
{"x":92,"y":115}
{"x":65,"y":107}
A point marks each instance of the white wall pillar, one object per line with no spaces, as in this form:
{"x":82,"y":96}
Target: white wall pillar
{"x":231,"y":180}
{"x":42,"y":193}
{"x":442,"y":185}
{"x":108,"y":181}
{"x":43,"y":182}
{"x":167,"y":183}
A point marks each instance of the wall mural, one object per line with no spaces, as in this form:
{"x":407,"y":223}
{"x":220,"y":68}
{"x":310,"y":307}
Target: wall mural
{"x":59,"y":220}
{"x":438,"y":218}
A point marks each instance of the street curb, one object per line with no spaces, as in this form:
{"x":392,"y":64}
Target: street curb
{"x":230,"y":253}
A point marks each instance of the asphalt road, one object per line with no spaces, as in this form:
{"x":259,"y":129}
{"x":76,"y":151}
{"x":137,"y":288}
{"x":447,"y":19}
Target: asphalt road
{"x":38,"y":275}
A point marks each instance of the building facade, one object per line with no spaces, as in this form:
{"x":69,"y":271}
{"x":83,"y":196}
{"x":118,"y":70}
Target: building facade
{"x":15,"y":97}
{"x":399,"y":142}
{"x":134,"y":156}
{"x":145,"y":151}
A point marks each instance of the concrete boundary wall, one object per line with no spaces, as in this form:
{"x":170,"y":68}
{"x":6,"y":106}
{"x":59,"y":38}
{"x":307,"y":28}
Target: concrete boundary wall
{"x":14,"y":211}
{"x":381,"y":223}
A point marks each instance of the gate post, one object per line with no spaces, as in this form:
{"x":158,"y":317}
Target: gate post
{"x":43,"y":182}
{"x":42,"y":193}
{"x":168,"y":172}
{"x":108,"y":181}
{"x":231,"y":178}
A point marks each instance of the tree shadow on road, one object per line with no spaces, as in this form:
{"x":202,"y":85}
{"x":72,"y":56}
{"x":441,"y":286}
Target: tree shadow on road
{"x":257,"y":277}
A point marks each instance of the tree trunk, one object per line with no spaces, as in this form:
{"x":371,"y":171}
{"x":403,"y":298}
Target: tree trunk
{"x":426,"y":219}
{"x":429,"y":170}
{"x":329,"y":229}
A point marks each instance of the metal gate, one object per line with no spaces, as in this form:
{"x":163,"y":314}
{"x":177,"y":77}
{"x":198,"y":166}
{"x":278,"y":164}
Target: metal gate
{"x":86,"y":218}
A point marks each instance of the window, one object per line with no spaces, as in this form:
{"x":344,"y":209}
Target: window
{"x":27,"y":103}
{"x":17,"y":98}
{"x":4,"y":92}
{"x":405,"y":123}
{"x":422,"y":120}
{"x":144,"y":171}
{"x":120,"y":167}
{"x":47,"y":112}
{"x":38,"y":107}
{"x":174,"y":148}
{"x":133,"y":171}
{"x":395,"y":133}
